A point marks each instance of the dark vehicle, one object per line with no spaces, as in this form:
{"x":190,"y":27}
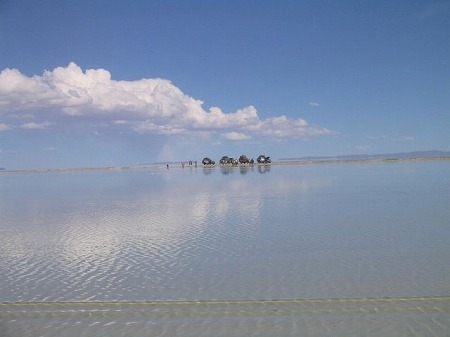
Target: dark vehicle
{"x":225,"y":160}
{"x":264,"y":159}
{"x":208,"y":161}
{"x":244,"y":160}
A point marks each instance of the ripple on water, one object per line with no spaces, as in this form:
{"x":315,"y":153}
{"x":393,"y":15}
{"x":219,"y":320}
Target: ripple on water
{"x":327,"y":317}
{"x":291,"y":233}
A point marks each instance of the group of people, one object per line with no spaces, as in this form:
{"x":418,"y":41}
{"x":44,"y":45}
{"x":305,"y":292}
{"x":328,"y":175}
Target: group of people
{"x":190,"y":163}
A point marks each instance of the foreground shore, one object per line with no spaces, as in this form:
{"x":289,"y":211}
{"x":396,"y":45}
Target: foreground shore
{"x":278,"y":162}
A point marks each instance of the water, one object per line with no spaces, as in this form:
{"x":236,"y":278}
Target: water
{"x":321,"y":250}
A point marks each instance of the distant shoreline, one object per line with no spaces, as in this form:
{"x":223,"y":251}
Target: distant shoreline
{"x":361,"y":161}
{"x":278,"y":162}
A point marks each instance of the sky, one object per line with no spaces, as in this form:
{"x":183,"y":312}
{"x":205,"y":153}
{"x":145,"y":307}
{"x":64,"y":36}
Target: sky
{"x":100,"y":83}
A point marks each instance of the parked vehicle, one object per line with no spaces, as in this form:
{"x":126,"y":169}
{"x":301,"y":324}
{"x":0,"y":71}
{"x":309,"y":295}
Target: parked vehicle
{"x":225,"y":160}
{"x":208,"y":161}
{"x":262,"y":159}
{"x":244,"y":160}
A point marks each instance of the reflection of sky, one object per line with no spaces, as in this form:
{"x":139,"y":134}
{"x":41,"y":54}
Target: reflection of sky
{"x":140,"y":234}
{"x":177,"y":212}
{"x":98,"y":214}
{"x":91,"y":219}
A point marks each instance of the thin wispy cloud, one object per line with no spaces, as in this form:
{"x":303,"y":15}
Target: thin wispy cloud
{"x":70,"y":95}
{"x":35,"y":126}
{"x":4,"y":127}
{"x":407,"y":139}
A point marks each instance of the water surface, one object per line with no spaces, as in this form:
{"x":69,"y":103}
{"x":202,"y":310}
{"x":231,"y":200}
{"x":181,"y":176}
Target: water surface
{"x":218,"y":236}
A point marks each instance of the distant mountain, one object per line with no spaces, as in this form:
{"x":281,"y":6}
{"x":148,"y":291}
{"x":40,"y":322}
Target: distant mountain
{"x":400,"y":155}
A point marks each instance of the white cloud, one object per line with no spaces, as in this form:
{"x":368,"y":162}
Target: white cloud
{"x":4,"y":127}
{"x":35,"y":126}
{"x":314,"y":104}
{"x":235,"y":136}
{"x":283,"y":127}
{"x":149,"y":127}
{"x":146,"y":106}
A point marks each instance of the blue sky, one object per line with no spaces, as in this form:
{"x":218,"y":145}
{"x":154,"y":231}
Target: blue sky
{"x":93,"y":83}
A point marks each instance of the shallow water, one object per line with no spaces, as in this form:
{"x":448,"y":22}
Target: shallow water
{"x":227,"y":252}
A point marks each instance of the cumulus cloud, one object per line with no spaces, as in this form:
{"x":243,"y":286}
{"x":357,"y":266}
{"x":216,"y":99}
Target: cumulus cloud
{"x":71,"y":95}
